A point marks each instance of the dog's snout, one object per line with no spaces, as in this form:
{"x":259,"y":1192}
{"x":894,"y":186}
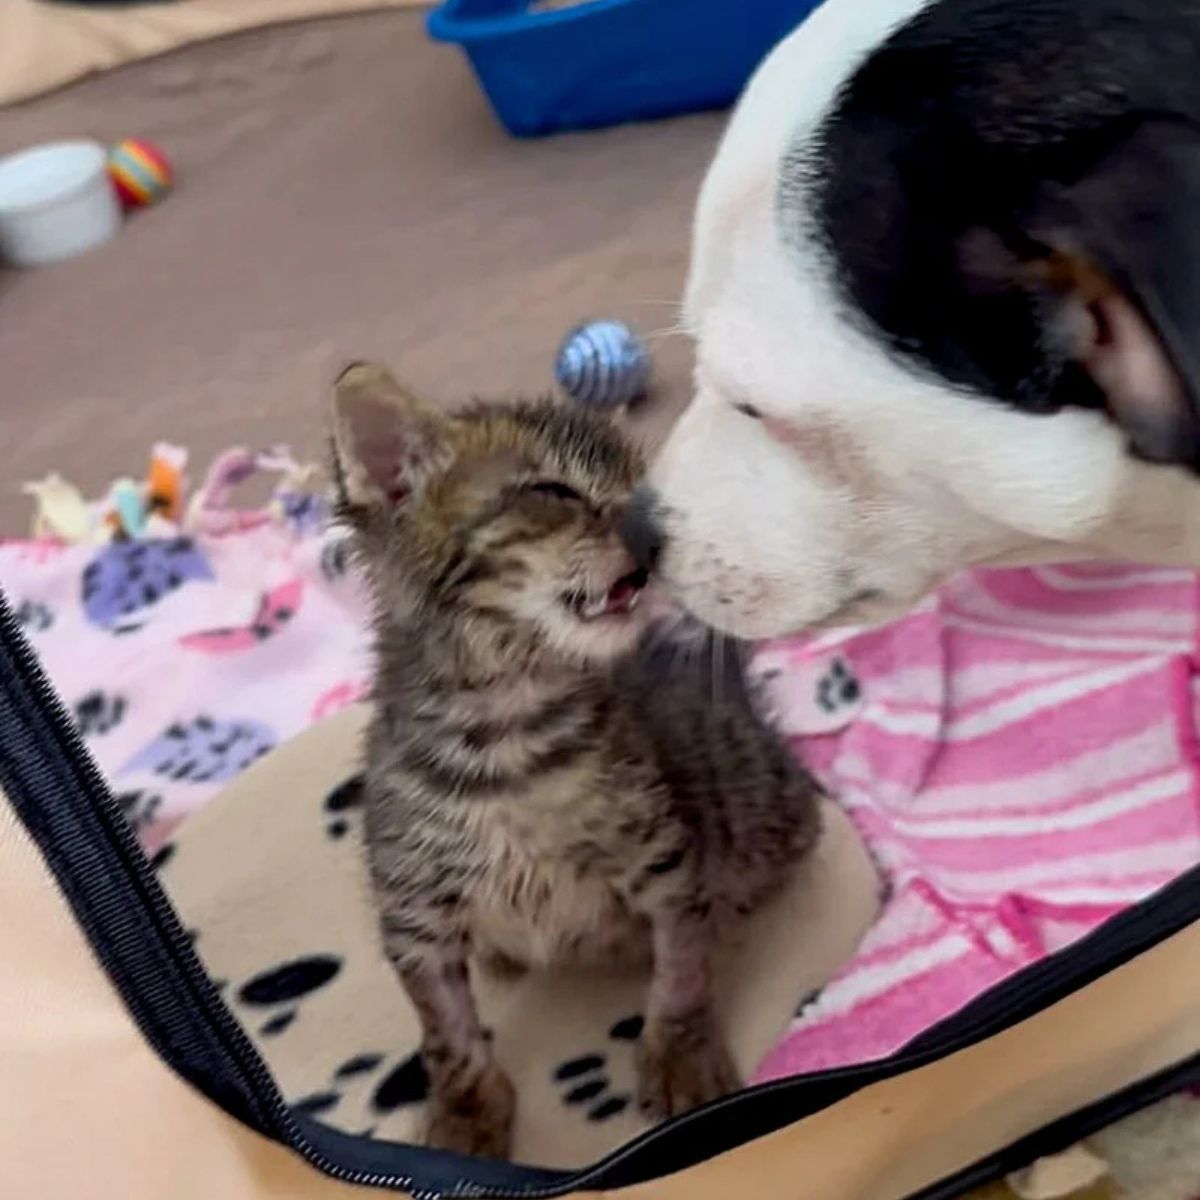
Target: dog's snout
{"x":641,"y":529}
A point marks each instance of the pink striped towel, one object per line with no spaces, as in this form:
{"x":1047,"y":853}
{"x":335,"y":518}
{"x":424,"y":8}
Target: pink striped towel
{"x":1020,"y":755}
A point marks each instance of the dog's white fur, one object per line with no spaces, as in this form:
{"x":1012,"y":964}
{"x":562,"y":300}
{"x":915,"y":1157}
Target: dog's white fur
{"x":866,"y":483}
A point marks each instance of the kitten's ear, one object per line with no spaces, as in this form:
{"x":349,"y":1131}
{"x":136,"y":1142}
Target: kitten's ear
{"x":385,"y":441}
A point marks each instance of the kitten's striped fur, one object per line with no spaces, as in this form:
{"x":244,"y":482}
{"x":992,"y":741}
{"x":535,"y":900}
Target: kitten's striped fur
{"x":542,"y":785}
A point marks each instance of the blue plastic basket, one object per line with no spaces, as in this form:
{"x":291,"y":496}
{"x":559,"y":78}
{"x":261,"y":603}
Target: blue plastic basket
{"x":605,"y":61}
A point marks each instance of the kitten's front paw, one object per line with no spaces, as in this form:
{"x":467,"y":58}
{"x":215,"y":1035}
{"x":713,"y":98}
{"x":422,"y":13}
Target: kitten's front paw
{"x":476,"y":1121}
{"x":683,"y":1064}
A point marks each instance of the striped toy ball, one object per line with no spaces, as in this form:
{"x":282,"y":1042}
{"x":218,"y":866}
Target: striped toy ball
{"x":603,"y":364}
{"x":140,"y":172}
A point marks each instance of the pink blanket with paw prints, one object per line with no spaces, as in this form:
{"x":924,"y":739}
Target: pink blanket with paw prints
{"x":185,"y":657}
{"x":1019,"y":754}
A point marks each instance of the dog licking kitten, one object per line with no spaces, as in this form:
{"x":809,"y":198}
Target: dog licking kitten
{"x":545,"y":782}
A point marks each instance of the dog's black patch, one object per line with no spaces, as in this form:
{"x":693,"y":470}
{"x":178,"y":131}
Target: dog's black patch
{"x":985,"y":135}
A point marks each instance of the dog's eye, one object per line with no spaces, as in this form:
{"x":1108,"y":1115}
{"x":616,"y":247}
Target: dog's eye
{"x":748,"y":410}
{"x":552,"y":487}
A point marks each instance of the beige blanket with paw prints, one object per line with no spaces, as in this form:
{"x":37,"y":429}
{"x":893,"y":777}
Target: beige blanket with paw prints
{"x":271,"y":879}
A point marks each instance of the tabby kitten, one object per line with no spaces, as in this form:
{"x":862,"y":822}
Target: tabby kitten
{"x":541,"y":785}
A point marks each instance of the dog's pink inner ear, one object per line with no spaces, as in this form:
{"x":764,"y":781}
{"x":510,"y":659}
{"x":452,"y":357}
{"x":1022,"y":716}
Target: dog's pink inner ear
{"x":1126,"y":233}
{"x":1118,"y":346}
{"x":1145,"y":395}
{"x":1123,"y":353}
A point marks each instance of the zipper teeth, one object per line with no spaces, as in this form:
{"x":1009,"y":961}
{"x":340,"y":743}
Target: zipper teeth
{"x":242,"y":1052}
{"x":1066,"y":1131}
{"x":249,"y":1062}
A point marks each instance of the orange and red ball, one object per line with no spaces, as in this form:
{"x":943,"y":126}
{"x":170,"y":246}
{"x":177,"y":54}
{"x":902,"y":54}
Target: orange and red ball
{"x":140,"y":172}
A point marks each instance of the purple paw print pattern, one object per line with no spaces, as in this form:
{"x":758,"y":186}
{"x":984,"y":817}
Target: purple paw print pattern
{"x":307,"y":512}
{"x":204,"y":750}
{"x":126,"y":578}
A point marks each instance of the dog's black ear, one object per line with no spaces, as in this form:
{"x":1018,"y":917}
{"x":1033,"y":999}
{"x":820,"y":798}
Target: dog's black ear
{"x":1121,"y":270}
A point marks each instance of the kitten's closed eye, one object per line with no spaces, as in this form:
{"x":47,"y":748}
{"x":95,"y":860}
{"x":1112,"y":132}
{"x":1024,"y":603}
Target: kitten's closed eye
{"x":552,"y":487}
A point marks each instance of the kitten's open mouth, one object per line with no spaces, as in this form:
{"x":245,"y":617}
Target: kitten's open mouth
{"x":620,"y":599}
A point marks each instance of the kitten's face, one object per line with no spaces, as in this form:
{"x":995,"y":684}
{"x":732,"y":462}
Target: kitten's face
{"x":504,"y":516}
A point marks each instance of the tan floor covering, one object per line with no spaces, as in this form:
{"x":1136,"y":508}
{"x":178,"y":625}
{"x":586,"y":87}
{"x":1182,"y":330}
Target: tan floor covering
{"x":45,"y":44}
{"x":343,"y":191}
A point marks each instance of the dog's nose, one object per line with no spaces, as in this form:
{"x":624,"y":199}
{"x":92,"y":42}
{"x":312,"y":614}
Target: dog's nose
{"x":640,"y":529}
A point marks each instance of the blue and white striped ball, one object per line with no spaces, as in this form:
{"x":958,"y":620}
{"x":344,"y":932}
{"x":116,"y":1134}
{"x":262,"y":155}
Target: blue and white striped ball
{"x":603,"y":364}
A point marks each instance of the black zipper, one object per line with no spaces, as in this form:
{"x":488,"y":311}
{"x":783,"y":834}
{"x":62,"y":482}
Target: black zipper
{"x":66,"y":761}
{"x":61,"y":797}
{"x":768,"y":1107}
{"x":1065,"y":1132}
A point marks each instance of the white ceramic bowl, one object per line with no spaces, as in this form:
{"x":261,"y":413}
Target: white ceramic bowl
{"x":56,"y":201}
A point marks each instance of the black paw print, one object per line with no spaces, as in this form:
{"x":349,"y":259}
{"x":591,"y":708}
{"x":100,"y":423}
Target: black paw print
{"x":837,"y":688}
{"x":584,"y":1080}
{"x":35,"y":616}
{"x":140,"y":807}
{"x":162,"y":855}
{"x":98,"y":712}
{"x":317,"y":1103}
{"x":282,"y":987}
{"x":628,"y":1029}
{"x":360,"y":1064}
{"x":347,"y":795}
{"x":406,"y":1083}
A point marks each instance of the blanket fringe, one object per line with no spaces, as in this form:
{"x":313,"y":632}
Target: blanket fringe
{"x":160,"y":504}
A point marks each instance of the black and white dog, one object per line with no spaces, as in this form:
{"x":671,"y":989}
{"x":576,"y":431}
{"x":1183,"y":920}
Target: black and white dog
{"x":945,"y":290}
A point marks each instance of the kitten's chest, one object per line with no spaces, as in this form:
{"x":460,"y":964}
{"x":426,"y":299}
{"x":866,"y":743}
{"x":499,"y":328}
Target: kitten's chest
{"x":542,"y":898}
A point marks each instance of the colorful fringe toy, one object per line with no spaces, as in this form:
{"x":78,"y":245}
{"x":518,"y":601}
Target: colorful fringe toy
{"x":162,"y":507}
